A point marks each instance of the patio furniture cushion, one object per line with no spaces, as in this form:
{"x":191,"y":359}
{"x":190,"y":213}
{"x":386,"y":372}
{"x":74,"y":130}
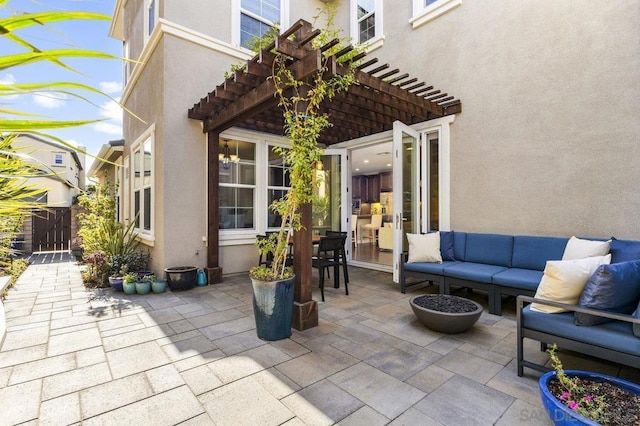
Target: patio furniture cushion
{"x":490,"y":249}
{"x":429,"y":268}
{"x":479,"y":272}
{"x":446,"y":245}
{"x":459,"y":244}
{"x":613,"y":288}
{"x":624,"y":250}
{"x":578,"y":248}
{"x":526,"y":279}
{"x":564,"y":280}
{"x":531,"y":252}
{"x":424,"y":248}
{"x":616,"y":335}
{"x":636,"y":327}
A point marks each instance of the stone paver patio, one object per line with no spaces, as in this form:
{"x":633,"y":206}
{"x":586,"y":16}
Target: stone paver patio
{"x":98,"y":357}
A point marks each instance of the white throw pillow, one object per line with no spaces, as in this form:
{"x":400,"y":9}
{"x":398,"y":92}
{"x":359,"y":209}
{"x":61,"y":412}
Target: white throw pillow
{"x":578,"y":248}
{"x":424,"y":248}
{"x":564,"y":280}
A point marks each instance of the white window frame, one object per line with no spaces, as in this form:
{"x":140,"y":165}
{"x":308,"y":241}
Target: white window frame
{"x":236,"y":11}
{"x":423,"y":14}
{"x":126,"y":65}
{"x":378,"y":39}
{"x":269,"y":187}
{"x":235,"y":232}
{"x":62,"y":159}
{"x":156,"y":15}
{"x":147,"y":236}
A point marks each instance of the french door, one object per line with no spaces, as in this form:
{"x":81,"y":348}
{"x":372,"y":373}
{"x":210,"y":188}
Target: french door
{"x":333,"y":209}
{"x":406,"y":189}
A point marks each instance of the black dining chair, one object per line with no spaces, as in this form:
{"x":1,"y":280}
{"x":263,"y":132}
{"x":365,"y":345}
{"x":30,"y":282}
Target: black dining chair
{"x":343,"y":252}
{"x":329,"y":256}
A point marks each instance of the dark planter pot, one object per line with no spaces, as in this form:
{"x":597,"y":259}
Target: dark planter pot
{"x":116,"y":283}
{"x":143,"y":273}
{"x":181,"y":277}
{"x":562,"y":415}
{"x":445,"y":322}
{"x":273,"y":308}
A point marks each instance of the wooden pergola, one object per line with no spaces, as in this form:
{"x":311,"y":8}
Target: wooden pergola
{"x":246,"y":99}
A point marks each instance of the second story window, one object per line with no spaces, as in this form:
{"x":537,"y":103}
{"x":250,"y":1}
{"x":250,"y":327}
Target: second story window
{"x":366,"y":20}
{"x":428,"y":10}
{"x":257,"y":17}
{"x":58,"y":158}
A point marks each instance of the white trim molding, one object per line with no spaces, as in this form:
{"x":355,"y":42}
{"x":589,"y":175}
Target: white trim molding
{"x":422,"y":15}
{"x":145,"y":236}
{"x":167,"y":27}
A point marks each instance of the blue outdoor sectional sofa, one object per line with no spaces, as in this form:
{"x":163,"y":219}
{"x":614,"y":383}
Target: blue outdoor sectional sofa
{"x":507,"y":265}
{"x":501,"y":265}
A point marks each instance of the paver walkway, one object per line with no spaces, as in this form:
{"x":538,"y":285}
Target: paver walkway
{"x":98,"y":357}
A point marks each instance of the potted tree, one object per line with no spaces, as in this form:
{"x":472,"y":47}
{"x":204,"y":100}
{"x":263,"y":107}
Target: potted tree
{"x":300,"y":101}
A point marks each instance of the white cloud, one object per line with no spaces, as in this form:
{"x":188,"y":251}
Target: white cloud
{"x":7,"y":79}
{"x":112,"y":111}
{"x":49,"y":100}
{"x":108,"y":128}
{"x":110,"y":87}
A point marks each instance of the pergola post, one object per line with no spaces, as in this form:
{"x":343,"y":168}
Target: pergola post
{"x":305,"y":309}
{"x":214,"y":271}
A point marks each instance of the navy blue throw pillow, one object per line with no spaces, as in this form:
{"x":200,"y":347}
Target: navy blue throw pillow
{"x":624,"y":250}
{"x":613,"y":288}
{"x":446,"y":245}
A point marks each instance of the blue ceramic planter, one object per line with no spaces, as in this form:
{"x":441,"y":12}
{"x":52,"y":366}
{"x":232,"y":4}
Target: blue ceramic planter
{"x":273,"y":308}
{"x":562,"y":415}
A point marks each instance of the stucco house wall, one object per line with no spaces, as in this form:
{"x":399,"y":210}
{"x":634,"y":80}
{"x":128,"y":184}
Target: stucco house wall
{"x":547,"y":142}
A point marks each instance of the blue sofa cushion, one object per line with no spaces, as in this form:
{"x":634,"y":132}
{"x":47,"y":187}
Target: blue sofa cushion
{"x":446,"y":245}
{"x":613,"y":288}
{"x":479,"y":272}
{"x":624,"y":250}
{"x":428,"y":268}
{"x":459,"y":244}
{"x":531,"y":252}
{"x":526,"y":279}
{"x":492,"y":249}
{"x":636,"y":327}
{"x":616,"y":335}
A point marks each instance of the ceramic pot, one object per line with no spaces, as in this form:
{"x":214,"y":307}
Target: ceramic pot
{"x":562,"y":415}
{"x":143,"y":287}
{"x":159,"y":286}
{"x":116,"y":283}
{"x":181,"y":277}
{"x":273,"y":308}
{"x":129,"y":288}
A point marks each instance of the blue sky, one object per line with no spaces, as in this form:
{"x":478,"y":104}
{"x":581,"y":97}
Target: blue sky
{"x":102,"y":74}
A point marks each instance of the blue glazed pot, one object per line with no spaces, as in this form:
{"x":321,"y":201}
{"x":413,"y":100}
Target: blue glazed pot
{"x":562,"y":415}
{"x":116,"y":283}
{"x":273,"y":308}
{"x":143,"y":287}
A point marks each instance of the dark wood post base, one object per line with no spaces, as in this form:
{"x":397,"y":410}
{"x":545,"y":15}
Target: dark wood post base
{"x":214,"y":275}
{"x":305,"y":315}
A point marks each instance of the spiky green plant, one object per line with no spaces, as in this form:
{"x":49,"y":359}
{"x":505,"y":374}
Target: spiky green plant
{"x":16,"y":194}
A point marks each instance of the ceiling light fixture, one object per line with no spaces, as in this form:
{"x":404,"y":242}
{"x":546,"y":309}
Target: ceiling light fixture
{"x":226,"y":158}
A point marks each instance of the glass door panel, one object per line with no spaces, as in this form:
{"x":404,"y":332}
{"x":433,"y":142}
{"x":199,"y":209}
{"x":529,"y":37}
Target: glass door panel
{"x":406,"y":190}
{"x":330,"y":190}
